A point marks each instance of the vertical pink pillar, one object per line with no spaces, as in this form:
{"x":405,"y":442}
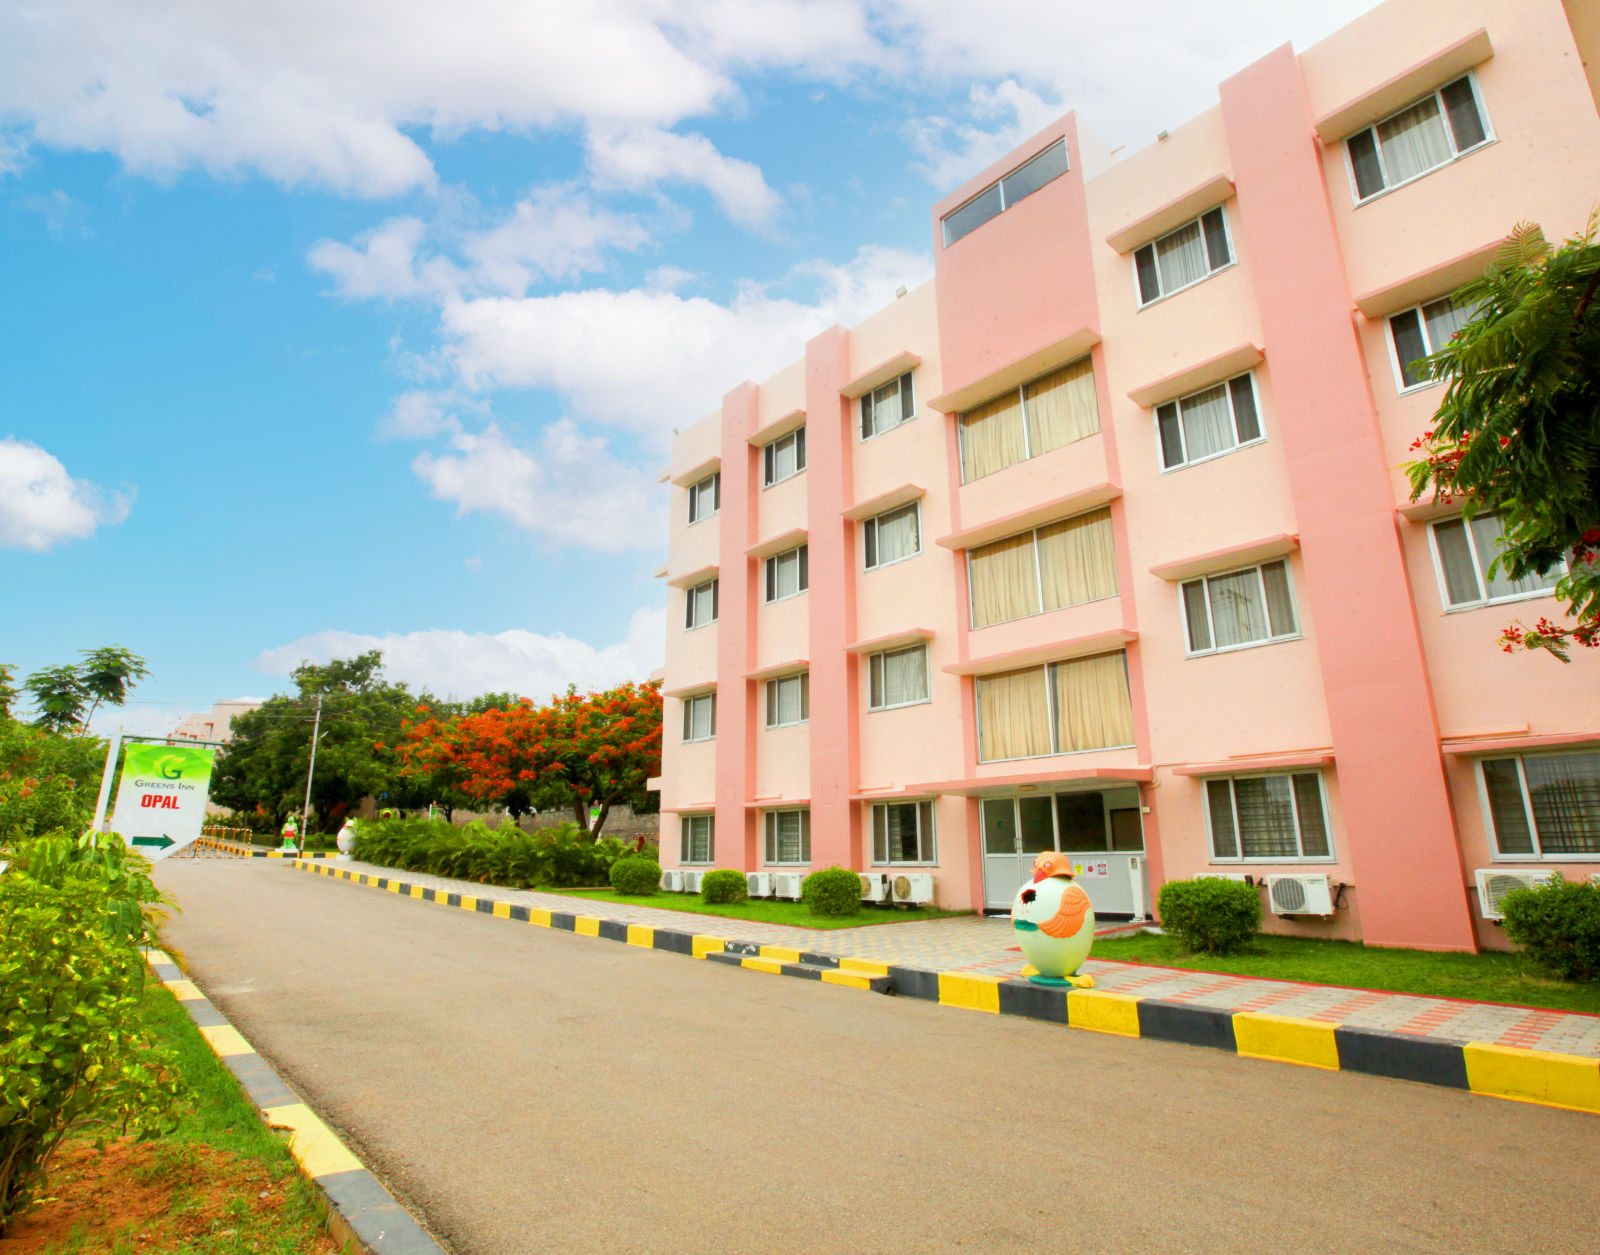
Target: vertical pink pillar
{"x":736,"y":643}
{"x":1398,"y":825}
{"x":831,"y":608}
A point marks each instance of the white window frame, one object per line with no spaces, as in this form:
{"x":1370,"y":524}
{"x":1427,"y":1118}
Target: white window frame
{"x":1261,"y":581}
{"x":1477,"y":572}
{"x":1401,"y":387}
{"x":872,"y":526}
{"x":930,"y":840}
{"x":927,"y":677}
{"x":770,"y":694}
{"x":769,"y":574}
{"x":865,"y":404}
{"x":769,"y":837}
{"x":1489,"y":137}
{"x":697,"y":490}
{"x":1233,"y":417}
{"x":686,"y":838}
{"x":1050,"y":707}
{"x":1332,"y":856}
{"x":1538,"y":854}
{"x":1233,"y":257}
{"x":797,"y":438}
{"x":689,"y":705}
{"x":689,"y":603}
{"x":1000,"y":183}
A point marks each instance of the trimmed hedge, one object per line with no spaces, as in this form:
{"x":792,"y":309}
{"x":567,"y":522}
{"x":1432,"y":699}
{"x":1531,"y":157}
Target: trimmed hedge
{"x":1210,"y":915}
{"x":724,"y":885}
{"x":1558,"y":927}
{"x":636,"y":874}
{"x":832,"y":891}
{"x":563,"y":857}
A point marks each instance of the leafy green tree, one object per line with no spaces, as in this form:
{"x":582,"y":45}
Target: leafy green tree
{"x":67,"y":696}
{"x":48,"y":781}
{"x":59,"y":697}
{"x":1518,"y":431}
{"x":107,"y":673}
{"x":8,"y":689}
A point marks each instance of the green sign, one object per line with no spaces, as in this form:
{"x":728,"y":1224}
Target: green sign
{"x":161,"y":799}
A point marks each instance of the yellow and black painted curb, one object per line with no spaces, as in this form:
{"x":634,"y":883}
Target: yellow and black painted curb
{"x":227,"y":847}
{"x":1536,"y":1076}
{"x":359,"y":1212}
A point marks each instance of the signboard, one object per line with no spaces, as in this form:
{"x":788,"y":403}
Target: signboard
{"x":161,"y":801}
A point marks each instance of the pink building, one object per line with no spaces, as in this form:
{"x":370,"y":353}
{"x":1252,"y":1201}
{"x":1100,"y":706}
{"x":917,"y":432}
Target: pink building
{"x":1099,"y":541}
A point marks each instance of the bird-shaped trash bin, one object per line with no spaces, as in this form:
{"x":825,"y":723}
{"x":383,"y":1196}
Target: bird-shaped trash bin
{"x":1054,"y":923}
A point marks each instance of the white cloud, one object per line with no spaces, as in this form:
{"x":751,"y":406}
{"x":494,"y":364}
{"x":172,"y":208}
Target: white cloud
{"x":556,"y":233}
{"x":41,"y":505}
{"x":569,"y":491}
{"x":952,"y":152}
{"x":139,"y":719}
{"x":62,"y":215}
{"x":417,"y":415}
{"x":638,"y":158}
{"x":384,"y":263}
{"x":464,"y":664}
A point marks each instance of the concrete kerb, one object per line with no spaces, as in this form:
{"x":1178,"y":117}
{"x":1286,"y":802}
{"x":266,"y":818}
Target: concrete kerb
{"x":1522,"y":1075}
{"x":361,"y":1215}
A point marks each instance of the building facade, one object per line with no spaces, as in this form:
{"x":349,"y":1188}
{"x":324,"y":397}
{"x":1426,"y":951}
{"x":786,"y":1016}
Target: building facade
{"x":1100,"y":540}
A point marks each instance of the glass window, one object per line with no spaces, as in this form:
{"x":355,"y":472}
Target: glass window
{"x":788,"y":700}
{"x":1466,"y":552}
{"x":898,"y":677}
{"x":700,"y":717}
{"x":1274,"y":818}
{"x":893,"y":536}
{"x":1417,"y":332}
{"x":700,"y":605}
{"x":995,"y":199}
{"x":788,"y":836}
{"x":887,"y":406}
{"x":705,"y":497}
{"x":788,"y":574}
{"x":1423,"y":136}
{"x":1081,"y":821}
{"x":902,"y":832}
{"x":1249,"y":607}
{"x":696,"y":844}
{"x":1208,"y":423}
{"x":1061,"y":708}
{"x":783,"y":458}
{"x":1181,"y":258}
{"x":1544,"y":805}
{"x":1044,"y":414}
{"x":1063,"y":564}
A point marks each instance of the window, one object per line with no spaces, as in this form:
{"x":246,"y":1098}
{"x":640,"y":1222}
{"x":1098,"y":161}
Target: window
{"x":788,"y":574}
{"x":1433,"y":132}
{"x":1466,"y":550}
{"x":995,"y":199}
{"x":705,"y":497}
{"x":700,"y":605}
{"x":1181,"y":258}
{"x":902,"y":832}
{"x":1208,"y":423}
{"x":1067,"y":821}
{"x":700,"y":717}
{"x":887,"y":406}
{"x":1268,"y":817}
{"x":897,"y":677}
{"x":1063,"y":564}
{"x":784,"y":458}
{"x":695,"y":836}
{"x":1053,"y":410}
{"x":1544,"y":805}
{"x":789,"y":836}
{"x":788,"y":700}
{"x":1061,"y":708}
{"x":1415,"y":333}
{"x":1249,"y":607}
{"x":893,"y":536}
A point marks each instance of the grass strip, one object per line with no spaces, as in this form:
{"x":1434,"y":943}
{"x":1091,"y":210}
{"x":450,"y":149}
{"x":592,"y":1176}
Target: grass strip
{"x":762,"y":910}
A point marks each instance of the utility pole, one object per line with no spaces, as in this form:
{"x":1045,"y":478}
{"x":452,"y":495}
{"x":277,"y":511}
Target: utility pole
{"x":305,"y":811}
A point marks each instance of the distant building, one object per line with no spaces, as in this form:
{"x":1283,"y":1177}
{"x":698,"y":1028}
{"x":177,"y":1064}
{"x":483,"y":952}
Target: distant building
{"x":215,"y":725}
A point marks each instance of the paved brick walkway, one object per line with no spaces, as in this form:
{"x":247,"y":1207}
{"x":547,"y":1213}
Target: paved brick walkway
{"x":984,"y":946}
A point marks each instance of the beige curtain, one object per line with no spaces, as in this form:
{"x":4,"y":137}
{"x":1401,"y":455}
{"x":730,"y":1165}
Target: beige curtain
{"x":1005,"y":583}
{"x":1093,"y":709}
{"x":1061,"y":407}
{"x":1078,"y":560}
{"x":991,"y":437}
{"x":1013,"y":715}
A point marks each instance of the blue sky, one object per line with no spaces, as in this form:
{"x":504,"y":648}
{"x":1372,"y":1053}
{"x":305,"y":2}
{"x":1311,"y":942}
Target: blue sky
{"x":366,"y":325}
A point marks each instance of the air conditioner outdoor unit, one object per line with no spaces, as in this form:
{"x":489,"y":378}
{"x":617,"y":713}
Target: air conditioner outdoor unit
{"x":1239,"y":876}
{"x":912,"y":887}
{"x":691,"y":881}
{"x":672,"y":880}
{"x":787,"y":885}
{"x":874,"y":887}
{"x":759,"y":884}
{"x":1495,"y":882}
{"x":1300,"y":895}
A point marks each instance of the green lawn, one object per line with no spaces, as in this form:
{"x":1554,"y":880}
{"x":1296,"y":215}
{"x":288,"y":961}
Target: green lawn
{"x":766,"y":910}
{"x":1488,"y":977}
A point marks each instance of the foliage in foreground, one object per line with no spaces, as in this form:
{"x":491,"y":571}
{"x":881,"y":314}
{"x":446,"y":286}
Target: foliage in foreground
{"x":1558,"y":925}
{"x":131,"y":907}
{"x":637,"y":874}
{"x":561,"y":856}
{"x":1211,"y":915}
{"x":834,"y":891}
{"x":723,"y":886}
{"x":48,"y":782}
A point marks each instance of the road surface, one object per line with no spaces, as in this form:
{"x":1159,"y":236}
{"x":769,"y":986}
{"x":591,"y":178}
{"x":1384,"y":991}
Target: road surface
{"x":528,"y":1090}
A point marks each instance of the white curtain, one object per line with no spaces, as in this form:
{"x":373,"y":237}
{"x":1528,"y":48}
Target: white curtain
{"x":898,"y":534}
{"x":1488,"y":530}
{"x":900,"y":677}
{"x":1013,"y":715}
{"x":1182,"y":258}
{"x":1413,"y":141}
{"x":786,"y":700}
{"x":1455,"y":556}
{"x":1280,"y":605}
{"x":1238,"y":614}
{"x":1207,"y":423}
{"x":1444,"y":319}
{"x":1093,"y":706}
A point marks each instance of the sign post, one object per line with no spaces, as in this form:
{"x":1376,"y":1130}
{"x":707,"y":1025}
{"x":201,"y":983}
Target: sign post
{"x":161,"y":802}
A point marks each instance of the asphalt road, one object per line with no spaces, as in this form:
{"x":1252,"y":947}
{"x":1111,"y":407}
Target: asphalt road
{"x":530,"y":1090}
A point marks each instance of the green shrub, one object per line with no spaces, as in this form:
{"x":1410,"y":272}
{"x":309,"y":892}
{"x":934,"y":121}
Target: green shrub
{"x":563,"y":857}
{"x":72,"y":1053}
{"x":1558,"y":926}
{"x":1210,"y":915}
{"x":724,"y":885}
{"x":131,"y":906}
{"x":832,"y":891}
{"x":636,"y":874}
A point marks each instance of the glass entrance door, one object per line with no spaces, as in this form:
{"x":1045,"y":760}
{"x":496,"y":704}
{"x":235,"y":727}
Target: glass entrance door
{"x":1014,"y":831}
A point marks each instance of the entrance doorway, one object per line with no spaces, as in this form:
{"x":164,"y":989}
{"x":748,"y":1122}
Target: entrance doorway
{"x":1100,"y":828}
